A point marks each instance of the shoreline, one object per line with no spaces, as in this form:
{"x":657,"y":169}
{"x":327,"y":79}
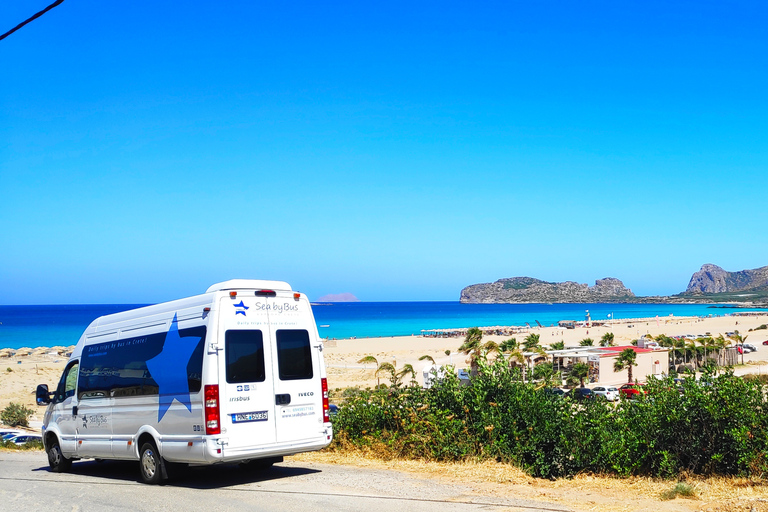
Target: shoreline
{"x":19,"y":375}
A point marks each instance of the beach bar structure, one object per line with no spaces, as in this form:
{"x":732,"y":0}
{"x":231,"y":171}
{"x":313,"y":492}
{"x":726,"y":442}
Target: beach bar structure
{"x":651,"y":363}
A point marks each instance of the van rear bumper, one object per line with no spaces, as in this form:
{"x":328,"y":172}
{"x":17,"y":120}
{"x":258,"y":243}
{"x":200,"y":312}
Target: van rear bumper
{"x":218,"y":450}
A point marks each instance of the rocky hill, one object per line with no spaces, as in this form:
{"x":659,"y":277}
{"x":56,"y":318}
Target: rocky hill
{"x":528,"y":289}
{"x":713,"y":279}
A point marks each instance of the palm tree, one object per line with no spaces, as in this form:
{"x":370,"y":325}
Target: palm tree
{"x":371,"y":359}
{"x":719,"y":343}
{"x":429,"y":358}
{"x":390,"y":369}
{"x":691,"y":345}
{"x":531,"y":342}
{"x":508,"y":345}
{"x":607,"y":340}
{"x":704,"y":342}
{"x":587,"y":342}
{"x":472,"y":347}
{"x":626,"y":360}
{"x":558,"y":345}
{"x":739,"y":341}
{"x":407,"y":369}
{"x":580,"y":371}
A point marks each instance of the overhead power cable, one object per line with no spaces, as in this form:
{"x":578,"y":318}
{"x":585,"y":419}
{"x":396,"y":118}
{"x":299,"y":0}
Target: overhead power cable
{"x":34,"y":17}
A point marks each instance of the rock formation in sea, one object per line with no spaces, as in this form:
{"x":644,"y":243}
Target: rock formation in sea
{"x":713,"y":279}
{"x":529,"y":289}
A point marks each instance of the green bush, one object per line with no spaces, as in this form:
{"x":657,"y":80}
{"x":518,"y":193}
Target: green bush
{"x":16,"y":415}
{"x":718,"y":427}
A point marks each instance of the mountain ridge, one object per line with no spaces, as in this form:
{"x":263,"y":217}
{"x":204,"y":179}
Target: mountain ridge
{"x":710,"y":284}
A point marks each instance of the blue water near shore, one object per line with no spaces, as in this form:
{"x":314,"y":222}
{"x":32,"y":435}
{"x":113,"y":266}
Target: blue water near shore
{"x":34,"y":326}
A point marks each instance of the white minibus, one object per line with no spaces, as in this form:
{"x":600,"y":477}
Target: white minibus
{"x":235,"y":375}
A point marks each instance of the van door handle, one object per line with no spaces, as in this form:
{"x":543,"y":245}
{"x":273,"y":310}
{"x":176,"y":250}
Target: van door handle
{"x":74,"y":410}
{"x":283,"y":399}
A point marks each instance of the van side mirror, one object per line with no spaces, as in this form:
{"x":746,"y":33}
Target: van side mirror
{"x":42,"y":394}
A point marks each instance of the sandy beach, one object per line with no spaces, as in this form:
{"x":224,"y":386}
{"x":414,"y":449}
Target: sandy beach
{"x":19,"y":375}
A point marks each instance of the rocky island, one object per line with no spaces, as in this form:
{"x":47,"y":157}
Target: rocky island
{"x":710,"y":284}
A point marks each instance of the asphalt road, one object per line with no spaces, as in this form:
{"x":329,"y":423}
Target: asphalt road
{"x":26,"y":484}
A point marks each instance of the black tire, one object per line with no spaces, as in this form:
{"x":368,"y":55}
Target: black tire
{"x":56,"y":459}
{"x":150,"y":464}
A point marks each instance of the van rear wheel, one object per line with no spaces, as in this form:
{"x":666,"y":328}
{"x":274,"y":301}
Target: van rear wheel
{"x":149,"y":464}
{"x":56,"y":459}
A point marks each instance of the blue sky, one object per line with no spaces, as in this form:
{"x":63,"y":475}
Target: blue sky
{"x":395,"y":152}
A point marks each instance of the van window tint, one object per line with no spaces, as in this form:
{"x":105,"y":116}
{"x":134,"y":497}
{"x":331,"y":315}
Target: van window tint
{"x":294,"y":356}
{"x":68,"y":382}
{"x":245,"y":356}
{"x":119,"y":368}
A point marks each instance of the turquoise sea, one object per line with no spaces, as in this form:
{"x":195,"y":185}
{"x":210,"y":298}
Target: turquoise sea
{"x":34,"y":326}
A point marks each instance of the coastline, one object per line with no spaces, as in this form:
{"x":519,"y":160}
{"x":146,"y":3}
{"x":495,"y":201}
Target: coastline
{"x":19,"y":375}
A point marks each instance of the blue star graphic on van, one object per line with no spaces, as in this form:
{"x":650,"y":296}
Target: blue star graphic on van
{"x":239,"y":311}
{"x":169,"y":369}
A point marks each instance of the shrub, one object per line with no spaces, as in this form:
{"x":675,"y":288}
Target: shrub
{"x":680,"y":489}
{"x":16,"y":415}
{"x":716,"y":427}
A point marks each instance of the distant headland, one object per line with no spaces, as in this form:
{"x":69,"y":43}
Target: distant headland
{"x":710,"y":284}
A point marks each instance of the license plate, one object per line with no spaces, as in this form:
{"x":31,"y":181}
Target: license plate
{"x":244,"y":417}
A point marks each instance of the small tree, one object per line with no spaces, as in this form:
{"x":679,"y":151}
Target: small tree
{"x":626,"y":360}
{"x":375,"y":362}
{"x":587,"y":342}
{"x":558,"y":345}
{"x":407,"y":370}
{"x":16,"y":415}
{"x":531,"y":342}
{"x":580,"y":371}
{"x":607,"y":340}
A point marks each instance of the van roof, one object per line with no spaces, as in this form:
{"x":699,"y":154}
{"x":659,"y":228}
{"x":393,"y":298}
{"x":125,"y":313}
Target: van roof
{"x":249,"y":284}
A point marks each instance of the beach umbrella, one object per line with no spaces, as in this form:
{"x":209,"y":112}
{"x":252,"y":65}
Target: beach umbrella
{"x":40,"y":351}
{"x":6,"y":352}
{"x":58,"y":349}
{"x":24,"y":351}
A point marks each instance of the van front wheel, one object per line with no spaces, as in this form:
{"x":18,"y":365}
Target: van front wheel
{"x":56,"y":459}
{"x":149,"y":463}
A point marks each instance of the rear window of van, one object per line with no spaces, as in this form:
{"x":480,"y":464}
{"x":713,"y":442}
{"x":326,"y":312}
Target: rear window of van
{"x":245,"y":356}
{"x":294,"y":355}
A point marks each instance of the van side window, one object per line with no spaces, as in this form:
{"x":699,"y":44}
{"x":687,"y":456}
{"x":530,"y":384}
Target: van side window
{"x":119,"y":368}
{"x":294,"y":355}
{"x":68,"y":382}
{"x":245,"y":356}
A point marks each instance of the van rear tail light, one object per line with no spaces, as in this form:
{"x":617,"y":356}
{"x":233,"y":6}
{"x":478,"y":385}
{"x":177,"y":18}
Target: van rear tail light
{"x":326,"y":405}
{"x":212,"y":419}
{"x":296,"y":296}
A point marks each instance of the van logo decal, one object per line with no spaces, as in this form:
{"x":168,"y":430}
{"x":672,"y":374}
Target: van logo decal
{"x":240,"y":308}
{"x":309,"y":393}
{"x":169,"y":369}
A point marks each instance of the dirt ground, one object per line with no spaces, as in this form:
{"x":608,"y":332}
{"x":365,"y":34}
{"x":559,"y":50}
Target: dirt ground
{"x":582,"y":493}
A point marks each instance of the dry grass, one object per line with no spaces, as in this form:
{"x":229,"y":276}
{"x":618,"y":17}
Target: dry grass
{"x":583,"y":492}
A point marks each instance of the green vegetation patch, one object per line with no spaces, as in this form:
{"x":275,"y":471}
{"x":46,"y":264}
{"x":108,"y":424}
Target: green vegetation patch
{"x":719,"y":427}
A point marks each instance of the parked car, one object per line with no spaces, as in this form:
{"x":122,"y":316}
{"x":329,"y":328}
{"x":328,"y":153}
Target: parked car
{"x":750,"y":347}
{"x":631,"y":391}
{"x":25,"y":438}
{"x":582,"y":394}
{"x":556,"y":392}
{"x":610,"y":393}
{"x":5,"y":431}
